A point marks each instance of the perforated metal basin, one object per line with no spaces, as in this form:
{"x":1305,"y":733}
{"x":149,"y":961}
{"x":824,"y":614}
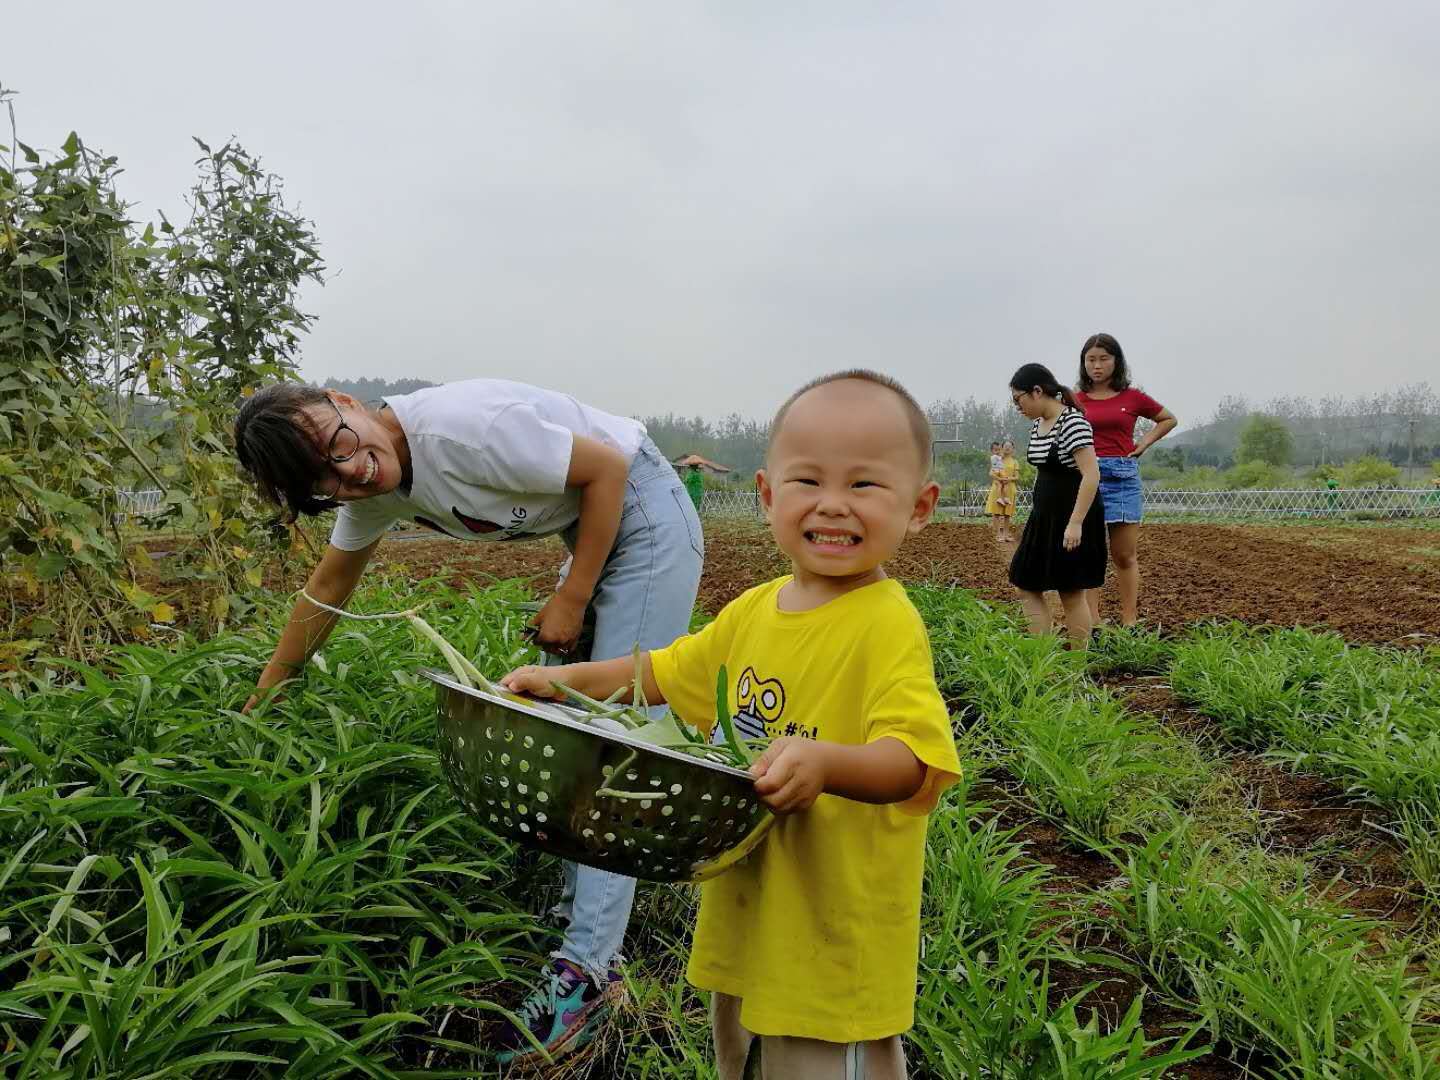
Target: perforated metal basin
{"x":531,"y":771}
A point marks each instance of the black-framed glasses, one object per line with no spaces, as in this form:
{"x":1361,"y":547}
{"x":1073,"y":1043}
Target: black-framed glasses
{"x":1015,"y":398}
{"x":342,"y":447}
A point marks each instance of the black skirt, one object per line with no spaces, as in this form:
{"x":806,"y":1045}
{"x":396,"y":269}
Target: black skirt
{"x":1041,"y":561}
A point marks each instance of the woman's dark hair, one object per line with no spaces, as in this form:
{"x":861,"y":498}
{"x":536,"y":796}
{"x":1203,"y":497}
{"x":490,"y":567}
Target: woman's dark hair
{"x":1032,"y":375}
{"x":1120,"y":378}
{"x":277,"y":445}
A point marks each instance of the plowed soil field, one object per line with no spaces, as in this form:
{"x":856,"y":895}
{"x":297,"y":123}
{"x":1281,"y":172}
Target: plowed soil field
{"x":1370,"y":584}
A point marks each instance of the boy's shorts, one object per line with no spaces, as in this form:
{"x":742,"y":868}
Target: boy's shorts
{"x":742,"y":1055}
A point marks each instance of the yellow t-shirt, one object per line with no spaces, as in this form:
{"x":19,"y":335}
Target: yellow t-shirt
{"x":818,"y":931}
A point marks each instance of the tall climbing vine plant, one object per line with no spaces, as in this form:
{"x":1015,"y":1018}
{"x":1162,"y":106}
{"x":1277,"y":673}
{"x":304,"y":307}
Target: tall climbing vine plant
{"x":124,"y":351}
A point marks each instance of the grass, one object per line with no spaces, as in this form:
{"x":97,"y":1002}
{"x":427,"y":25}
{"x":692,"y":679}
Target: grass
{"x":189,"y":891}
{"x":1217,"y":925}
{"x":1367,"y":718}
{"x":993,"y":936}
{"x":191,"y":888}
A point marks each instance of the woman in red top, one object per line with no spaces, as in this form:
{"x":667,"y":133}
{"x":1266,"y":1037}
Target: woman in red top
{"x":1112,"y":406}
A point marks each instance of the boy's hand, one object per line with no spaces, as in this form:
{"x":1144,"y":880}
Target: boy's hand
{"x":790,"y":775}
{"x":599,"y":679}
{"x":536,"y":681}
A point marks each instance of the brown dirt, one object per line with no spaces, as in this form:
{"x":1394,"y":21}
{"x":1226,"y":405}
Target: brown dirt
{"x":1371,"y":585}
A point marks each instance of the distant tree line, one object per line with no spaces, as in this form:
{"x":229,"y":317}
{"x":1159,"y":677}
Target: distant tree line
{"x":1327,"y":430}
{"x":1263,"y":441}
{"x":374,"y":389}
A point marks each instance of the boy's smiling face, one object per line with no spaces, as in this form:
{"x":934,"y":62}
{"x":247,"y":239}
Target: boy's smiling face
{"x":844,"y":483}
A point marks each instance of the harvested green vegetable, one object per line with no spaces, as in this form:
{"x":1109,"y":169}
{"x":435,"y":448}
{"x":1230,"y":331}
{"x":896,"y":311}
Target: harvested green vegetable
{"x":722,"y":716}
{"x":667,"y":731}
{"x":466,"y":673}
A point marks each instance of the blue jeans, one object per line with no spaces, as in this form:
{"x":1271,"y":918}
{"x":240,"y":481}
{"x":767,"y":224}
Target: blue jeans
{"x":645,"y":595}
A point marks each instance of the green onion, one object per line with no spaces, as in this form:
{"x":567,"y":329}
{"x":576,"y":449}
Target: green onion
{"x":741,"y":753}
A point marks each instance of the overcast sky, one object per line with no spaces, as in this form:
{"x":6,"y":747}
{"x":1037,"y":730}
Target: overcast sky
{"x":667,"y":206}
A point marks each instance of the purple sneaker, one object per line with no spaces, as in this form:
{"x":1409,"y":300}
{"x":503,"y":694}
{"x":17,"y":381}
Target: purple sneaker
{"x":563,"y":1013}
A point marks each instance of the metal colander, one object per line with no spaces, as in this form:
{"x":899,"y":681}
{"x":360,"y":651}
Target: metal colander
{"x":530,"y":771}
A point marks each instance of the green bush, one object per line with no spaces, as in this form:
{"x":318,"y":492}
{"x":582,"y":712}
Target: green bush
{"x":1257,"y":475}
{"x":1267,"y":439}
{"x":1201,"y":478}
{"x":1161,"y":476}
{"x":1369,"y":471}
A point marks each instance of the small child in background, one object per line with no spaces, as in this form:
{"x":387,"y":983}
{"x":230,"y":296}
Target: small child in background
{"x":997,"y":474}
{"x":810,"y":946}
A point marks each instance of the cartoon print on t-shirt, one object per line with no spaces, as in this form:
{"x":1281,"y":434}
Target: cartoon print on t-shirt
{"x":760,"y":704}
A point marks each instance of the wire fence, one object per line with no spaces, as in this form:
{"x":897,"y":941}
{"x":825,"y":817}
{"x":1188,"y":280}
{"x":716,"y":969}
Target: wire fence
{"x":1300,"y":503}
{"x":970,"y":502}
{"x":130,"y":504}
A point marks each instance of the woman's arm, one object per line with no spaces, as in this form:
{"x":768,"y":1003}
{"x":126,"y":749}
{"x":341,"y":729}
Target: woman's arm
{"x":332,"y":581}
{"x":1165,"y":423}
{"x":600,"y":472}
{"x":1089,"y":484}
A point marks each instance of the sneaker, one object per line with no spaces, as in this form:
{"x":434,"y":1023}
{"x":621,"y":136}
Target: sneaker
{"x":563,"y":1013}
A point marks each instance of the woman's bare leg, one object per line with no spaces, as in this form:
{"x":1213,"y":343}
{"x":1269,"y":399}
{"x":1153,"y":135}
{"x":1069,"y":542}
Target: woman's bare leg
{"x":1077,"y":617}
{"x":1124,"y":539}
{"x":997,"y":525}
{"x":1037,"y":612}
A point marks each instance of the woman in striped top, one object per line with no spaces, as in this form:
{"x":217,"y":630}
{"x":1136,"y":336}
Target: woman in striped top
{"x":1063,"y":547}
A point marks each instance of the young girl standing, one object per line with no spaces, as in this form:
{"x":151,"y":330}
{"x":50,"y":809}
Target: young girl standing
{"x":1112,"y":406}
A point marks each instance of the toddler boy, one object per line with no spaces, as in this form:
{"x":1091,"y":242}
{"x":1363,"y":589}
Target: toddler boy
{"x":810,"y":946}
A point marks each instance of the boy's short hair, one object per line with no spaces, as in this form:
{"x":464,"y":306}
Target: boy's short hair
{"x":919,"y":422}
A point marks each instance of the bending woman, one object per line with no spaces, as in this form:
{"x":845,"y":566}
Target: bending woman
{"x":488,"y":459}
{"x":1063,"y":546}
{"x":1112,"y":406}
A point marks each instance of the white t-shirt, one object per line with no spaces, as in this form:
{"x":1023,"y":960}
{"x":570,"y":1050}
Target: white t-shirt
{"x":488,"y":461}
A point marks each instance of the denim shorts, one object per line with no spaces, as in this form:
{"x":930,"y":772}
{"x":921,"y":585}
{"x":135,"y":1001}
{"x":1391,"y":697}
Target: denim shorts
{"x":1120,"y":489}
